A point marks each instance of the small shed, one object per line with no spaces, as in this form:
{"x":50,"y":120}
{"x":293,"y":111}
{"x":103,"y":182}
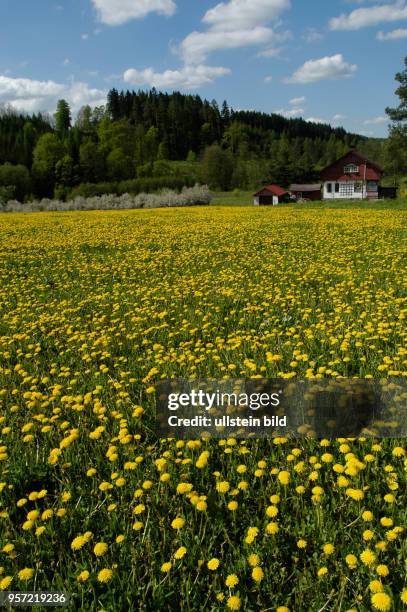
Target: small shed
{"x":306,"y":192}
{"x":271,"y":195}
{"x":387,"y":193}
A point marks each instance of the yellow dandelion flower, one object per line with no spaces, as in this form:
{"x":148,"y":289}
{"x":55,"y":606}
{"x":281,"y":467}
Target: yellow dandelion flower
{"x":367,"y":557}
{"x":137,"y":526}
{"x":272,"y":528}
{"x":351,"y":561}
{"x":83,"y":576}
{"x":231,"y":581}
{"x":233,"y":602}
{"x":7,"y":548}
{"x":223,"y":486}
{"x":233,"y":505}
{"x":328,"y":549}
{"x":100,"y":549}
{"x":78,"y":542}
{"x":213,"y":564}
{"x":284,"y":477}
{"x":105,"y":575}
{"x":26,"y":574}
{"x":381,"y":602}
{"x":180,"y":552}
{"x":178,"y":523}
{"x":376,"y":586}
{"x":253,"y":559}
{"x":5,"y":582}
{"x":257,"y":574}
{"x":272,"y":511}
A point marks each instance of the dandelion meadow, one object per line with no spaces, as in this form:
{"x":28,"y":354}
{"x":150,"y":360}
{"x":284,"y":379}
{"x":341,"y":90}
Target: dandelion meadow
{"x":98,"y":306}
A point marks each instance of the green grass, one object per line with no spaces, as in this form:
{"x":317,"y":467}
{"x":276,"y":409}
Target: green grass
{"x":233,"y":198}
{"x":245,"y":198}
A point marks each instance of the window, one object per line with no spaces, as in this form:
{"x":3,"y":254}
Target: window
{"x":329,"y":187}
{"x":351,"y":169}
{"x":336,"y":187}
{"x":358,"y":187}
{"x":346,"y":190}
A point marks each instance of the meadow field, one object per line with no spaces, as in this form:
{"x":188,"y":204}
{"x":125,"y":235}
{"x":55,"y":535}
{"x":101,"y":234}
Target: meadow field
{"x":96,"y":307}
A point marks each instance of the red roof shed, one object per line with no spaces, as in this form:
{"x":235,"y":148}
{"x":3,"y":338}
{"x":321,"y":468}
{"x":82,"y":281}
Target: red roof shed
{"x":272,"y":190}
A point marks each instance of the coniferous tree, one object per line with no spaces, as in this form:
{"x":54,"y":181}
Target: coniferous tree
{"x":63,"y":118}
{"x":113,"y":105}
{"x":396,"y":147}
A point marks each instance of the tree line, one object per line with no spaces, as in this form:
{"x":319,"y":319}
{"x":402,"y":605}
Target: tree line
{"x":149,"y":140}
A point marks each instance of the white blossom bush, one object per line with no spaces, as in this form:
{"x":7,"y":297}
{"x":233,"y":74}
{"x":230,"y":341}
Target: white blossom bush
{"x":189,"y":196}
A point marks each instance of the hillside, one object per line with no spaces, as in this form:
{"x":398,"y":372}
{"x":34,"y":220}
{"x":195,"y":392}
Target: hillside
{"x":147,"y":140}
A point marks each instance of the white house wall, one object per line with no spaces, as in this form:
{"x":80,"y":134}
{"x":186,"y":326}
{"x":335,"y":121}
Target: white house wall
{"x":339,"y":196}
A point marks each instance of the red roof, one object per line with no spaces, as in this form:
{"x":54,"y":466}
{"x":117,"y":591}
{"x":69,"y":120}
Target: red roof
{"x":368,"y":170}
{"x":273,"y":189}
{"x":371,"y":174}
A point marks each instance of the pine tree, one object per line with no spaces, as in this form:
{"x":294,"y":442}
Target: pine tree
{"x":113,"y":105}
{"x":396,"y":147}
{"x":63,"y":118}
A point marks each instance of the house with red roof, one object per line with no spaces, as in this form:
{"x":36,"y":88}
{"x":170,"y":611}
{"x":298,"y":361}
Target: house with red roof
{"x":272,"y":195}
{"x":351,"y":177}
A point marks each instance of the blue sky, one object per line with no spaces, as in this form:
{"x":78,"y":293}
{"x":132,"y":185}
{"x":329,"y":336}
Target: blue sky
{"x":327,"y":60}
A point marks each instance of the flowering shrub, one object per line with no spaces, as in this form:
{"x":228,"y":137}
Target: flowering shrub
{"x":189,"y":196}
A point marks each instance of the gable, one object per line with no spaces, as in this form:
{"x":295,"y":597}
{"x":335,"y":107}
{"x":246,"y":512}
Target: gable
{"x":271,"y":190}
{"x":352,"y":166}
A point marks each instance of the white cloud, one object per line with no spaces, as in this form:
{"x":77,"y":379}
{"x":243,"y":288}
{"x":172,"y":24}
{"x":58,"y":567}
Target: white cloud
{"x":117,"y":12}
{"x":273,"y":52}
{"x":268,"y":79}
{"x":333,"y":67}
{"x":197,"y":45}
{"x":244,"y":14}
{"x":371,"y":16}
{"x":296,"y":101}
{"x":66,"y":61}
{"x":80,"y":93}
{"x":338,"y":117}
{"x":188,"y":77}
{"x":28,"y":88}
{"x":393,"y":35}
{"x":235,"y":24}
{"x":33,"y":96}
{"x":292,"y":112}
{"x":312,"y":35}
{"x":376,"y":121}
{"x":316,"y":120}
{"x":85,"y":36}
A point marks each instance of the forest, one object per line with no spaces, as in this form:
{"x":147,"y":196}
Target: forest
{"x":148,"y":140}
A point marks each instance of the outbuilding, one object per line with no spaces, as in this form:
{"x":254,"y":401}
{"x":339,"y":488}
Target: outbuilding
{"x":271,"y":195}
{"x":306,"y":192}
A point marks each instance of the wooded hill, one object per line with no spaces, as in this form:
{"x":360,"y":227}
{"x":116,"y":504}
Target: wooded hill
{"x":146,"y":140}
